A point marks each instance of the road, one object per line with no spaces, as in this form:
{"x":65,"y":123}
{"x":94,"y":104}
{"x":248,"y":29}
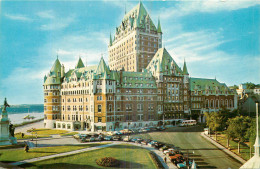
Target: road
{"x":205,"y":154}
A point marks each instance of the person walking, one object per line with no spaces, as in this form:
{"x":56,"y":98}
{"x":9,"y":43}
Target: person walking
{"x":165,"y":160}
{"x":26,"y":148}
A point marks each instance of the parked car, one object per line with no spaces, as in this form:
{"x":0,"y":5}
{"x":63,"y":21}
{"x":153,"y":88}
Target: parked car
{"x":145,"y":142}
{"x":92,"y":138}
{"x":117,"y":133}
{"x":76,"y":136}
{"x":127,"y":138}
{"x":108,"y":138}
{"x":117,"y":138}
{"x":99,"y":138}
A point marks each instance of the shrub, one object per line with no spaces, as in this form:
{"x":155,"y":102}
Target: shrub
{"x":155,"y":159}
{"x":107,"y":162}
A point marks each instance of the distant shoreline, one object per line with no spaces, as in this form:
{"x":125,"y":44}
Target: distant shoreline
{"x":27,"y":122}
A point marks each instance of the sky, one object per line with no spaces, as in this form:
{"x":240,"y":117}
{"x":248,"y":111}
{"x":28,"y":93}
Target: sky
{"x":217,"y":38}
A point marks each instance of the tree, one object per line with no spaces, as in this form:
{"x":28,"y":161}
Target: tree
{"x":251,"y":134}
{"x":250,"y":85}
{"x":237,"y":128}
{"x":214,"y":121}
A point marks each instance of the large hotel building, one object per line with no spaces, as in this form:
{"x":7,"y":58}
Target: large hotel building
{"x":142,"y":86}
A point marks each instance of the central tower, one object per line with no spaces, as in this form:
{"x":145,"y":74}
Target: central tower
{"x":135,"y":42}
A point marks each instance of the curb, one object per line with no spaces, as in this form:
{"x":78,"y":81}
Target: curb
{"x":241,"y":160}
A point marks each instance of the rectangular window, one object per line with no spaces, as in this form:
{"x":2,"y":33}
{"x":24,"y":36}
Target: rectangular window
{"x":99,"y":119}
{"x":99,"y":108}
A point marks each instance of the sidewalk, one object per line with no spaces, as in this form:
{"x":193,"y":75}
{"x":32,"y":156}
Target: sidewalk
{"x":223,"y":148}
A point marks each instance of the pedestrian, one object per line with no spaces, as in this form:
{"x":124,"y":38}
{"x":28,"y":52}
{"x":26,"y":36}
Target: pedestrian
{"x":22,"y":135}
{"x":26,"y":148}
{"x":165,"y":160}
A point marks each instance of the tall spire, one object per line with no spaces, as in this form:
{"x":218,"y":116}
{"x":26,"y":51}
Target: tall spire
{"x":110,"y":42}
{"x":185,"y":70}
{"x":159,"y":29}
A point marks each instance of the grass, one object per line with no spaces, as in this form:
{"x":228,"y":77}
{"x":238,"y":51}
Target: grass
{"x":10,"y":147}
{"x":19,"y":154}
{"x":69,"y":134}
{"x":19,"y":136}
{"x":48,"y":131}
{"x":233,"y":144}
{"x":129,"y":156}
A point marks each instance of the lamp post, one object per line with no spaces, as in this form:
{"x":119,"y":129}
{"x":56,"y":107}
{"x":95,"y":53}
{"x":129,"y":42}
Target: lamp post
{"x":36,"y":138}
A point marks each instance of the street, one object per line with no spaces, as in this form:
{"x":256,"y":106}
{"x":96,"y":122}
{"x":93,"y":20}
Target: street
{"x":205,"y":154}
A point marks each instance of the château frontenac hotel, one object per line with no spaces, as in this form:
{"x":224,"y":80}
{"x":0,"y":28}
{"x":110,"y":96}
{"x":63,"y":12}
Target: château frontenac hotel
{"x":141,"y":86}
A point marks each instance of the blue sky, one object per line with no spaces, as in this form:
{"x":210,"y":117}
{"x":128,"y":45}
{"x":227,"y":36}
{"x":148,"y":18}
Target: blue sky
{"x":217,"y":39}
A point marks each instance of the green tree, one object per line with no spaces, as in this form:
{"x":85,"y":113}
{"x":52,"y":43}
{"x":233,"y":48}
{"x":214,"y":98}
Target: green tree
{"x":237,"y":128}
{"x":251,"y":134}
{"x":250,"y":85}
{"x":214,"y":121}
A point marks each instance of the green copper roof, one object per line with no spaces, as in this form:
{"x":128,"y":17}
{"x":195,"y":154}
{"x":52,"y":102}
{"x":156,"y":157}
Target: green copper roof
{"x":56,"y":66}
{"x":210,"y":85}
{"x":185,"y":70}
{"x":54,"y":76}
{"x":137,"y":17}
{"x":138,"y":80}
{"x":79,"y":64}
{"x":159,"y":29}
{"x":163,"y":62}
{"x":102,"y":67}
{"x":111,"y":41}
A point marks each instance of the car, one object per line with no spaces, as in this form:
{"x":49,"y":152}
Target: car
{"x":110,"y":133}
{"x":117,"y":138}
{"x":127,"y":138}
{"x":133,"y":139}
{"x":92,"y":138}
{"x":99,"y":138}
{"x":108,"y":138}
{"x":117,"y":133}
{"x":76,"y":136}
{"x":145,"y":142}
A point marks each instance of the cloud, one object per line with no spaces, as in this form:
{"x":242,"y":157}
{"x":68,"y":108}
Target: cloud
{"x":18,"y":17}
{"x":87,"y":45}
{"x":187,"y":7}
{"x":197,"y":46}
{"x":49,"y":14}
{"x":58,"y":23}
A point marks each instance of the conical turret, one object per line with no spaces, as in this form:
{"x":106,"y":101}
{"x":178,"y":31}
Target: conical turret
{"x":80,"y":64}
{"x":159,"y":29}
{"x":110,"y":42}
{"x":185,"y":70}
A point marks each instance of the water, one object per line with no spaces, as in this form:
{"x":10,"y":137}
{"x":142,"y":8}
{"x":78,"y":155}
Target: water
{"x":16,"y":113}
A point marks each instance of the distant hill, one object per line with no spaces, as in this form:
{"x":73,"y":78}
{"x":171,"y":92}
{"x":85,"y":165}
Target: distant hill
{"x":25,"y":108}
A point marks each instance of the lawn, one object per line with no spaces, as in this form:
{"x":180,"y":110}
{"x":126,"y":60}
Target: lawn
{"x":244,"y":150}
{"x":69,"y":134}
{"x":18,"y":136}
{"x":130,"y":157}
{"x":12,"y":155}
{"x":48,"y":131}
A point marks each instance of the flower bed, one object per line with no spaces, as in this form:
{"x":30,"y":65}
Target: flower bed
{"x":107,"y":162}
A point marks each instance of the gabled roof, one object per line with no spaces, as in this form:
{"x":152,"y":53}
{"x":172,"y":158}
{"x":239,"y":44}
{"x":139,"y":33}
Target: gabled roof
{"x":80,"y":64}
{"x":163,"y":62}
